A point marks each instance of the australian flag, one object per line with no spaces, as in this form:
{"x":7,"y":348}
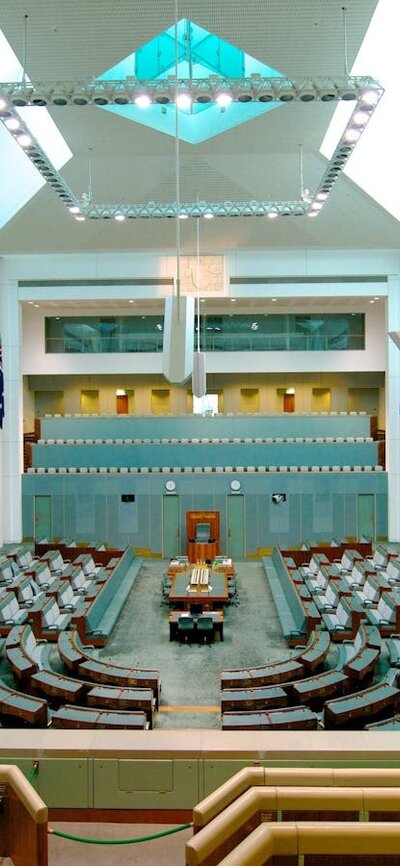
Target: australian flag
{"x":1,"y":389}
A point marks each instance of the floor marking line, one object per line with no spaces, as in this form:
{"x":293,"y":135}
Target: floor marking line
{"x":202,"y":709}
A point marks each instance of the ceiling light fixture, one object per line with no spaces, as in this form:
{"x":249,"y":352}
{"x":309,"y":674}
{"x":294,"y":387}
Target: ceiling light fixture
{"x":352,"y":134}
{"x":363,"y":89}
{"x":370,"y":97}
{"x":24,"y":140}
{"x":360,"y":118}
{"x":142,"y":100}
{"x":183,"y":101}
{"x":203,"y":90}
{"x":12,"y":123}
{"x":120,"y":217}
{"x":307,"y":93}
{"x":224,"y":99}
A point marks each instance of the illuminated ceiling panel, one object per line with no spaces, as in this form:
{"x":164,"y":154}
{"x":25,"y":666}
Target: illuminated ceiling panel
{"x":19,"y":179}
{"x":373,"y":165}
{"x":199,"y":55}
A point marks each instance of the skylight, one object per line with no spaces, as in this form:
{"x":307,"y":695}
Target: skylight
{"x":200,"y":55}
{"x":21,"y":181}
{"x":373,"y":165}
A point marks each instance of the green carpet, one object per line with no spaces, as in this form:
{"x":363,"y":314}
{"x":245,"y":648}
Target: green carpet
{"x":190,"y":674}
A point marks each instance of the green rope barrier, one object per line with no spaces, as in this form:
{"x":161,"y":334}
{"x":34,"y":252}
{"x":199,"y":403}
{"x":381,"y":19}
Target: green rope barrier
{"x":119,"y":841}
{"x":87,"y":841}
{"x":30,"y":777}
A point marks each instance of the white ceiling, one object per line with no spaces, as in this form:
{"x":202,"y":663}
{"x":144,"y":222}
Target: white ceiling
{"x":79,"y":39}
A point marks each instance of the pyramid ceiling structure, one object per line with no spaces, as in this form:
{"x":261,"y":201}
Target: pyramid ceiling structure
{"x":225,"y":157}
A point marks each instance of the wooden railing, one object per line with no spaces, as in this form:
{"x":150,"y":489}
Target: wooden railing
{"x":23,"y":820}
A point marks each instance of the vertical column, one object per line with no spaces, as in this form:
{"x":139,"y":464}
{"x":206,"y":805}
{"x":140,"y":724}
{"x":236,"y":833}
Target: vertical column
{"x":11,"y":437}
{"x":393,"y":410}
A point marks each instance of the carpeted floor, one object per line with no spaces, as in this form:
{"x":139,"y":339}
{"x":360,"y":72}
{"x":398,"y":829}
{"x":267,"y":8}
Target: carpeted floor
{"x":166,"y":851}
{"x":190,"y":673}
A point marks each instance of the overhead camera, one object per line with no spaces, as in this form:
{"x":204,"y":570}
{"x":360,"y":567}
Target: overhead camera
{"x":277,"y":498}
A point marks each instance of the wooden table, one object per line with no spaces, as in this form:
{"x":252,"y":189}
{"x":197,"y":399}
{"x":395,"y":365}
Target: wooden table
{"x":200,"y":597}
{"x":217,"y":617}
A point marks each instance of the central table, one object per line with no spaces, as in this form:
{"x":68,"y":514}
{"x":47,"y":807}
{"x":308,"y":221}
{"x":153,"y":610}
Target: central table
{"x":199,"y":597}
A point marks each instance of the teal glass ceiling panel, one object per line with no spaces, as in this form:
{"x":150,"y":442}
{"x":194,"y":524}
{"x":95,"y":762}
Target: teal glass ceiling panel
{"x":200,"y":55}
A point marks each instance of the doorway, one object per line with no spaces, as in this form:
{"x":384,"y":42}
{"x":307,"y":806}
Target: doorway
{"x":285,"y":400}
{"x":366,"y":515}
{"x":49,"y":403}
{"x":90,"y":402}
{"x":321,"y":400}
{"x":160,"y":401}
{"x":122,"y":404}
{"x":170,"y":526}
{"x":249,"y":400}
{"x":288,"y":402}
{"x":42,"y":517}
{"x":363,"y":400}
{"x":236,"y":543}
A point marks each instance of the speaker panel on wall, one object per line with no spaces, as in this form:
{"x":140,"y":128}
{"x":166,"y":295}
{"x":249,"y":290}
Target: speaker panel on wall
{"x":199,"y":386}
{"x":178,"y":339}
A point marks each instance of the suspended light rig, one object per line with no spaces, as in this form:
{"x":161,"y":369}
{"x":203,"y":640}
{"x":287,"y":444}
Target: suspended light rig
{"x":363,"y":91}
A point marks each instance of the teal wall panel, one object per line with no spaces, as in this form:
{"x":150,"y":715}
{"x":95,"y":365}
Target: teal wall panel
{"x":189,"y":426}
{"x":232,"y":454}
{"x":266,"y":523}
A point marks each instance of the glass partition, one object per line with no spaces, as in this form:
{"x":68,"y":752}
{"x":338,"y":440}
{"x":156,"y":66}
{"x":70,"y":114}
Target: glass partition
{"x":290,"y":332}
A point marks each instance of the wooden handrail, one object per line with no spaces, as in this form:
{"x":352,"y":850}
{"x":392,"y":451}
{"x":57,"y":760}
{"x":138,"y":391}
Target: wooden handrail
{"x":221,"y":835}
{"x":23,"y":820}
{"x":300,"y":839}
{"x":249,"y":777}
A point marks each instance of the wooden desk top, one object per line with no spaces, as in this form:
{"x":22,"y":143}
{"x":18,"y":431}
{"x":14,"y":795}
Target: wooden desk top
{"x":221,"y":564}
{"x":182,"y":590}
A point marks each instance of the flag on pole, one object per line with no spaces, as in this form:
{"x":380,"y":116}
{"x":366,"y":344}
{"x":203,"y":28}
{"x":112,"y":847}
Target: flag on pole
{"x":1,"y":389}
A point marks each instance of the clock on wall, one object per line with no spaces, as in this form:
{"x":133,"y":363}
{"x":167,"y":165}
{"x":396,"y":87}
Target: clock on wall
{"x":170,"y":486}
{"x":235,"y":485}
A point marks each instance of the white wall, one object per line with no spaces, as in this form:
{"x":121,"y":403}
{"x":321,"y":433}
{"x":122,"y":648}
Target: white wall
{"x":282,"y":266}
